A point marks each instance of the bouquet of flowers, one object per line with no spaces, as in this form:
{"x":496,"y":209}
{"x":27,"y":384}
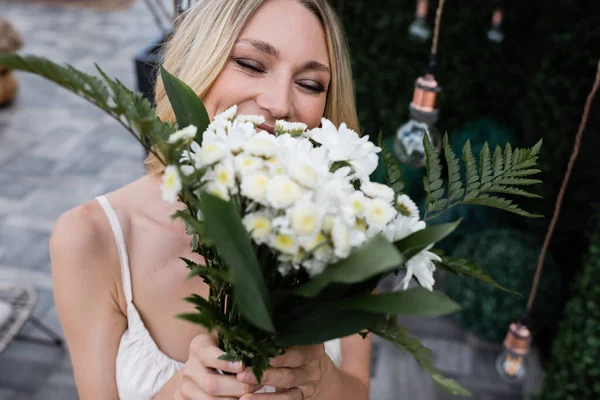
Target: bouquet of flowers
{"x":294,"y":235}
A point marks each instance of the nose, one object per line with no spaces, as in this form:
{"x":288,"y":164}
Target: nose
{"x":276,"y":99}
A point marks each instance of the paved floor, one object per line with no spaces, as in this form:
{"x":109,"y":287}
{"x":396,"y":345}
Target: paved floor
{"x":56,"y":151}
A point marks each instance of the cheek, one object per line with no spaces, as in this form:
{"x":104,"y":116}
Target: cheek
{"x":227,"y":90}
{"x":310,"y":109}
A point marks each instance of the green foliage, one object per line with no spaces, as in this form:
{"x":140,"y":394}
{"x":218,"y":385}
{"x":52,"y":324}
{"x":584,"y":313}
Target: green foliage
{"x":502,"y":174}
{"x":418,"y":241}
{"x":393,"y":171}
{"x":388,"y":329}
{"x":510,"y":258}
{"x":574,"y":370}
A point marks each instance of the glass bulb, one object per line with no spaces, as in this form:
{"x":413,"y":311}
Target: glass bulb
{"x":495,"y":33}
{"x":408,"y":144}
{"x":511,"y":364}
{"x":419,"y":28}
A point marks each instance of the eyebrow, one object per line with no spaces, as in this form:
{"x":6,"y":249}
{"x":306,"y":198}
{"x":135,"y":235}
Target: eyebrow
{"x":268,"y":48}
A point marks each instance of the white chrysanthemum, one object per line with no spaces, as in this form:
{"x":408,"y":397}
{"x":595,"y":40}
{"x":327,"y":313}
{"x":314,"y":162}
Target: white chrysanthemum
{"x":171,"y":185}
{"x":378,"y":212}
{"x":421,"y":267}
{"x":187,"y":170}
{"x":186,"y":134}
{"x":245,"y":164}
{"x":305,"y":218}
{"x":253,"y":119}
{"x":314,"y":267}
{"x":190,"y":155}
{"x":340,"y":236}
{"x":282,"y":192}
{"x":285,"y":242}
{"x":293,"y":128}
{"x":217,"y":190}
{"x":364,"y":159}
{"x":254,"y":186}
{"x":262,"y":144}
{"x":210,"y":154}
{"x":406,"y":206}
{"x":259,"y":226}
{"x":304,"y":174}
{"x":228,"y":114}
{"x":402,"y":227}
{"x":356,"y":201}
{"x":224,"y":174}
{"x":327,"y":224}
{"x":378,"y":191}
{"x":275,"y":166}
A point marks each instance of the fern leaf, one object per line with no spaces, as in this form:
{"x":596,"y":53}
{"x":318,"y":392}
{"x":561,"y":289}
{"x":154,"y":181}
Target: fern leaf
{"x":393,"y":172}
{"x":433,"y":179}
{"x":485,"y":165}
{"x":511,"y":190}
{"x":455,"y":190}
{"x":503,"y":204}
{"x":508,"y":155}
{"x":522,"y":172}
{"x":509,"y":180}
{"x":473,"y":183}
{"x":498,"y":163}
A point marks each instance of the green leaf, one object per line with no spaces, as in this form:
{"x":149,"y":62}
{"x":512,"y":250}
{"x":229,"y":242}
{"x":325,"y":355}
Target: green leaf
{"x":208,"y":274}
{"x":375,"y":257}
{"x":417,"y":302}
{"x":472,"y":175}
{"x":498,"y":163}
{"x":393,"y":172}
{"x":415,"y":243}
{"x":188,"y":108}
{"x":225,"y":228}
{"x":462,"y":266}
{"x":315,"y":322}
{"x":510,"y":190}
{"x":433,"y":180}
{"x":389,"y":330}
{"x":508,"y":154}
{"x":455,"y":190}
{"x":503,"y":204}
{"x":198,"y":319}
{"x":485,"y":164}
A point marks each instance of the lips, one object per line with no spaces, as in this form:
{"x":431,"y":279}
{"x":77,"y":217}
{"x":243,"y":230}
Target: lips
{"x":267,"y":127}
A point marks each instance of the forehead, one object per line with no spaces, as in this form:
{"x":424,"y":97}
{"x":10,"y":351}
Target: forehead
{"x":291,"y":28}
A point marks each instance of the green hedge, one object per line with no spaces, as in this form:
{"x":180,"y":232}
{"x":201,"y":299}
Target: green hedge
{"x":535,"y":82}
{"x":574,"y":370}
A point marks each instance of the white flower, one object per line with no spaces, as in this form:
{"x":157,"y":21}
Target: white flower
{"x":340,"y":236}
{"x":406,"y":206}
{"x":284,"y":242}
{"x":327,"y":224}
{"x":253,"y":119}
{"x":314,"y":267}
{"x":282,"y":191}
{"x":262,"y":144}
{"x":259,"y":226}
{"x":224,"y":174}
{"x":187,"y":170}
{"x":305,"y":218}
{"x":190,"y":155}
{"x":254,"y":186}
{"x":217,"y":190}
{"x":304,"y":174}
{"x":292,"y":128}
{"x":356,"y":202}
{"x":364,"y":159}
{"x":246,"y":164}
{"x":186,"y":134}
{"x":275,"y":166}
{"x":402,"y":227}
{"x":378,"y":191}
{"x":378,"y":213}
{"x":209,"y":154}
{"x":171,"y":185}
{"x":228,"y":114}
{"x":421,"y":267}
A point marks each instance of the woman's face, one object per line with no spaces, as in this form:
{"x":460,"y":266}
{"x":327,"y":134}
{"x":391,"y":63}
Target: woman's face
{"x":279,"y":67}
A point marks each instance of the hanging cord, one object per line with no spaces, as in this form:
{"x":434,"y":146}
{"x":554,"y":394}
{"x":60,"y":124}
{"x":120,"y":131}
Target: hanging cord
{"x":436,"y":36}
{"x":563,"y":188}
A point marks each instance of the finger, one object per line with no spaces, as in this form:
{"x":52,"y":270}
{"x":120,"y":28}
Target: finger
{"x":295,"y":357}
{"x":214,"y":384}
{"x":203,"y":348}
{"x":289,"y":394}
{"x":281,"y":377}
{"x":191,"y":391}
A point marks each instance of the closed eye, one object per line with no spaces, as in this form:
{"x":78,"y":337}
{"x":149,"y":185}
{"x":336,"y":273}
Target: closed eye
{"x":249,"y":64}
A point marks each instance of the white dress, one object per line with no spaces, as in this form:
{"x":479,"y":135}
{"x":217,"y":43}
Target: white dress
{"x":142,"y":368}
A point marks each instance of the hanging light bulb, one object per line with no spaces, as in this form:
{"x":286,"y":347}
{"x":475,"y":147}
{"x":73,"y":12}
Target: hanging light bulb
{"x":408,"y":145}
{"x":495,"y":33}
{"x":419,"y":28}
{"x":511,"y":364}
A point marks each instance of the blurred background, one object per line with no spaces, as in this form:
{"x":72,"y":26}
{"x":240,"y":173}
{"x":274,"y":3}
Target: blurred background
{"x":509,"y":71}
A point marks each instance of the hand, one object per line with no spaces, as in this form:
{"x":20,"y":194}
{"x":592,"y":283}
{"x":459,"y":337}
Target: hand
{"x":299,"y":368}
{"x":199,"y":379}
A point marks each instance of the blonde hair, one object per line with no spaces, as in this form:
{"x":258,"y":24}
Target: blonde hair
{"x":203,"y":41}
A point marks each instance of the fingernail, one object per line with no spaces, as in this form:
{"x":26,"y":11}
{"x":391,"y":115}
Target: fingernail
{"x":235,"y":365}
{"x":272,"y":362}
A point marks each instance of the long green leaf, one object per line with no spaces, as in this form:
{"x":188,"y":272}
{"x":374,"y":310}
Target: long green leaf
{"x":415,"y":301}
{"x":375,"y":257}
{"x":485,"y":164}
{"x":393,"y":172}
{"x":432,"y":182}
{"x":415,"y":243}
{"x":462,"y":266}
{"x":225,"y":228}
{"x":455,"y":190}
{"x":503,"y":204}
{"x":473,"y":184}
{"x":389,"y":330}
{"x":188,"y":108}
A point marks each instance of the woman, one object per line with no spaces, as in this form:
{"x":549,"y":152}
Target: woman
{"x":118,"y":281}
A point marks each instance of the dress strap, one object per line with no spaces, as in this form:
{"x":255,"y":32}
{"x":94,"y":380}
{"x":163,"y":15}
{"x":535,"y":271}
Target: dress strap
{"x":121,"y":247}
